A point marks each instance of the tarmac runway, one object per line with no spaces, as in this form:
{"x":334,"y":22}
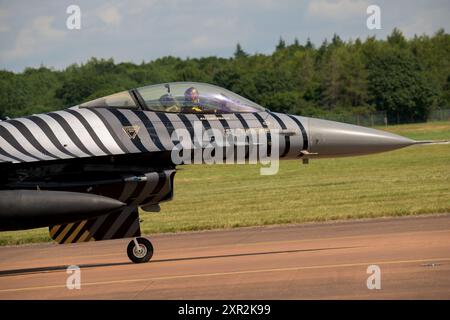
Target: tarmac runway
{"x":310,"y":261}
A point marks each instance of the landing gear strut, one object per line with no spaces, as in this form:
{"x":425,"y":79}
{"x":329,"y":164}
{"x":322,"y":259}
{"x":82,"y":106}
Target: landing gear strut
{"x":140,"y":250}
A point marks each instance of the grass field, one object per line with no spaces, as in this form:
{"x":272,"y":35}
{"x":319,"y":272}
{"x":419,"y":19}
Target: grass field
{"x":411,"y":181}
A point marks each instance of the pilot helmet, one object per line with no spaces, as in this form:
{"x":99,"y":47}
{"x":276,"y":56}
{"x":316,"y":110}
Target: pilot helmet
{"x":167,"y":100}
{"x":191,"y":95}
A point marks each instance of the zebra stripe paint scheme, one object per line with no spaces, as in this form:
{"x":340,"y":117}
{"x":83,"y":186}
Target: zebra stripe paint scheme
{"x":83,"y":132}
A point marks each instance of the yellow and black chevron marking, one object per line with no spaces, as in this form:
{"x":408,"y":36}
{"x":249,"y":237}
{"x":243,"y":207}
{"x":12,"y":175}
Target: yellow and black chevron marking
{"x":124,"y":224}
{"x":153,"y":188}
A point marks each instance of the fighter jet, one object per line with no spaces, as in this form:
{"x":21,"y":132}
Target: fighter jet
{"x":85,"y":171}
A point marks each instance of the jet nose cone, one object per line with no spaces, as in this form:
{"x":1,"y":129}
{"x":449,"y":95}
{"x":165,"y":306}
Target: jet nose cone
{"x":330,"y":138}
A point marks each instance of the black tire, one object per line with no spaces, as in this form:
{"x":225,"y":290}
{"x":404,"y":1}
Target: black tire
{"x":140,"y":256}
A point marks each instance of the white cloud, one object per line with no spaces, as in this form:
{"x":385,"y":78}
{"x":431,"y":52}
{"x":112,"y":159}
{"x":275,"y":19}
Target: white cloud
{"x":34,"y":37}
{"x":141,"y":6}
{"x":43,"y":27}
{"x":210,"y":34}
{"x":428,"y":22}
{"x":337,"y":9}
{"x":4,"y":27}
{"x":266,"y":4}
{"x":201,"y":40}
{"x":110,"y":15}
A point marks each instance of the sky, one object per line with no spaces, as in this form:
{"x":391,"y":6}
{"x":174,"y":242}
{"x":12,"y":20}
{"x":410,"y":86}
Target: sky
{"x":34,"y":33}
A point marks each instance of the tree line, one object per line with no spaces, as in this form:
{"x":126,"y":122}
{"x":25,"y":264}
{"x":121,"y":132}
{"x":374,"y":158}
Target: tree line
{"x":407,"y":78}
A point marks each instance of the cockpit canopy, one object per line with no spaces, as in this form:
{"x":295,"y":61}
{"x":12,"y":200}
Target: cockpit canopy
{"x":178,"y":97}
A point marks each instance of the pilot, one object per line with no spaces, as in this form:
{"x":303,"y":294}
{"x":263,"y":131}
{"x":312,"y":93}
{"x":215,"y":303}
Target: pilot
{"x":192,"y":100}
{"x":168,"y":103}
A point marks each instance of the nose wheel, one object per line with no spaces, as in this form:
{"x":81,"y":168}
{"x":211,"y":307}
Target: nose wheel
{"x":140,"y":250}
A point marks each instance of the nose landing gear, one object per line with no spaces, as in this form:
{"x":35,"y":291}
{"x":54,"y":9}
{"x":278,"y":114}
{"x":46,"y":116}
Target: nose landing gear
{"x":140,"y":250}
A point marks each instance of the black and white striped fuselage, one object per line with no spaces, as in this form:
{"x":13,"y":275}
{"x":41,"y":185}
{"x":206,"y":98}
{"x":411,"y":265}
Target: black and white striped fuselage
{"x":96,"y":132}
{"x":123,"y":154}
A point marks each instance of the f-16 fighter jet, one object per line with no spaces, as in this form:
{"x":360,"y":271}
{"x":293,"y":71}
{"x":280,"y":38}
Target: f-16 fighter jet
{"x":85,"y":171}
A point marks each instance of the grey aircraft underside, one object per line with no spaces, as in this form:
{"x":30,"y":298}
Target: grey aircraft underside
{"x":86,"y":170}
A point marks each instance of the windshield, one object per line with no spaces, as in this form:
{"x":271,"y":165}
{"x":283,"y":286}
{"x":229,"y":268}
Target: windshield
{"x":191,"y":97}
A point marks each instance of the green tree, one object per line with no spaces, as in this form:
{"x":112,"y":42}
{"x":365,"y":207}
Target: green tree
{"x":281,"y":44}
{"x":398,"y":86}
{"x":309,"y":44}
{"x":239,"y":52}
{"x":396,"y":38}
